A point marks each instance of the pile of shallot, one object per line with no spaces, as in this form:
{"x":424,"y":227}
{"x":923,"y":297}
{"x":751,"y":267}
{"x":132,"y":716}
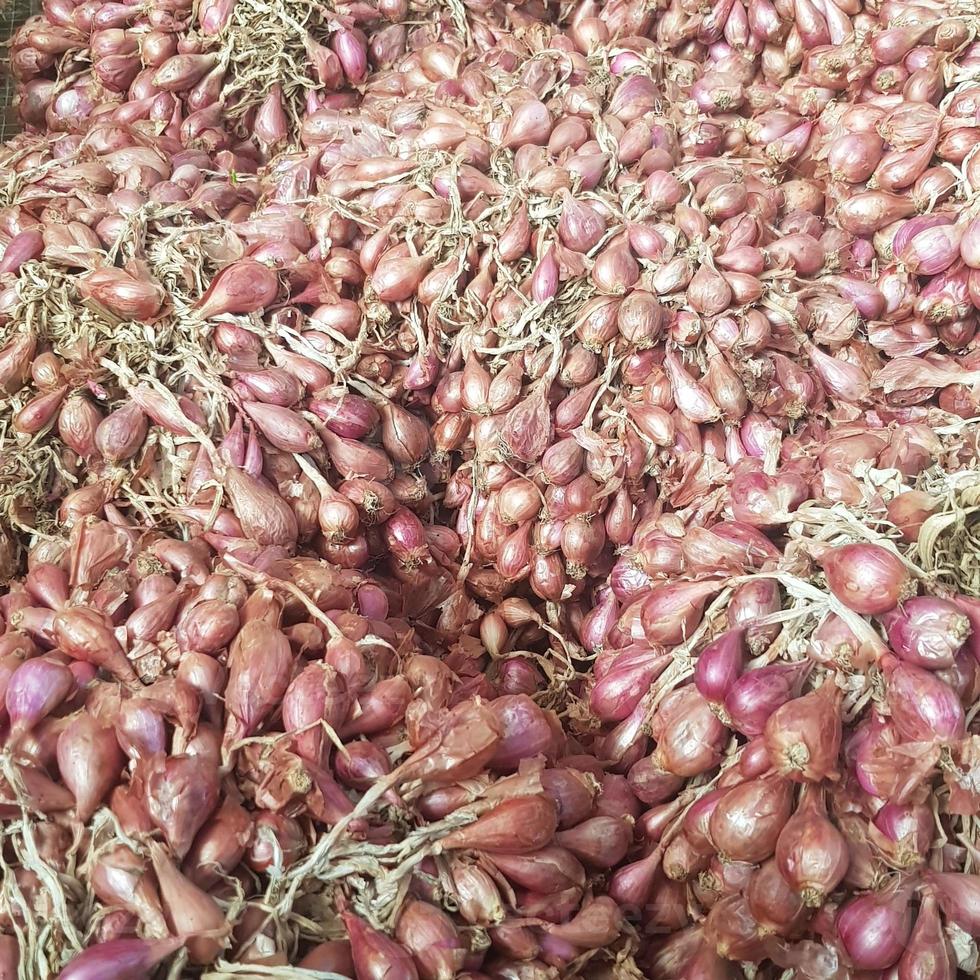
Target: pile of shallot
{"x":490,"y":491}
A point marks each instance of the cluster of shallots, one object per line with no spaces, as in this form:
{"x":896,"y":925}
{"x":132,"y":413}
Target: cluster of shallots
{"x":206,"y":70}
{"x":194,"y":743}
{"x":489,"y":491}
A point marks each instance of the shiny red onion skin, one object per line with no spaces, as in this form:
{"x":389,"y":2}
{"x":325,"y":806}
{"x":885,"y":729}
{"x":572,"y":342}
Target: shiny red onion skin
{"x":874,"y":928}
{"x":867,"y":578}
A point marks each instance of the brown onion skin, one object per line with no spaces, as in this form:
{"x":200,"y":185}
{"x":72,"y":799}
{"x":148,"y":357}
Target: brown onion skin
{"x":803,"y":736}
{"x":775,"y":904}
{"x":764,"y":805}
{"x":811,"y":853}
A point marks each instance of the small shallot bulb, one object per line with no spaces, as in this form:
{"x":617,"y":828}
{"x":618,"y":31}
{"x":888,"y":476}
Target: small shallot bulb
{"x":803,"y":736}
{"x":432,"y":938}
{"x":720,"y":664}
{"x":811,"y":852}
{"x":903,"y":834}
{"x":526,"y":731}
{"x":615,"y":271}
{"x":36,"y":688}
{"x":89,"y":761}
{"x":958,"y":895}
{"x":930,"y":953}
{"x":580,"y":226}
{"x":544,"y":281}
{"x":753,"y":698}
{"x":908,"y":511}
{"x":690,"y":738}
{"x":189,"y":909}
{"x":927,"y":631}
{"x":120,"y":959}
{"x":746,"y":822}
{"x":923,"y":707}
{"x":673,"y":612}
{"x":776,"y":906}
{"x":874,"y":928}
{"x":242,"y":287}
{"x":530,"y":124}
{"x":513,"y":826}
{"x":375,"y":954}
{"x":868,"y":578}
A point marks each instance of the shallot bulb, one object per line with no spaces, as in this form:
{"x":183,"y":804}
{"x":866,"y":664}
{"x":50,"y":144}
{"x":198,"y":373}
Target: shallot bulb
{"x":874,"y":928}
{"x":927,"y":632}
{"x":811,"y":852}
{"x":803,"y":736}
{"x":867,"y":578}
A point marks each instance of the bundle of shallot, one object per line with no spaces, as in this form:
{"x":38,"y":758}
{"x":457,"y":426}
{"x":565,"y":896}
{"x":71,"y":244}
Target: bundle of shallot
{"x":490,"y":491}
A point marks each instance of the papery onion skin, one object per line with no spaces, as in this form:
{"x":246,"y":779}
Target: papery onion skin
{"x":957,"y":895}
{"x":927,"y":632}
{"x":923,"y":707}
